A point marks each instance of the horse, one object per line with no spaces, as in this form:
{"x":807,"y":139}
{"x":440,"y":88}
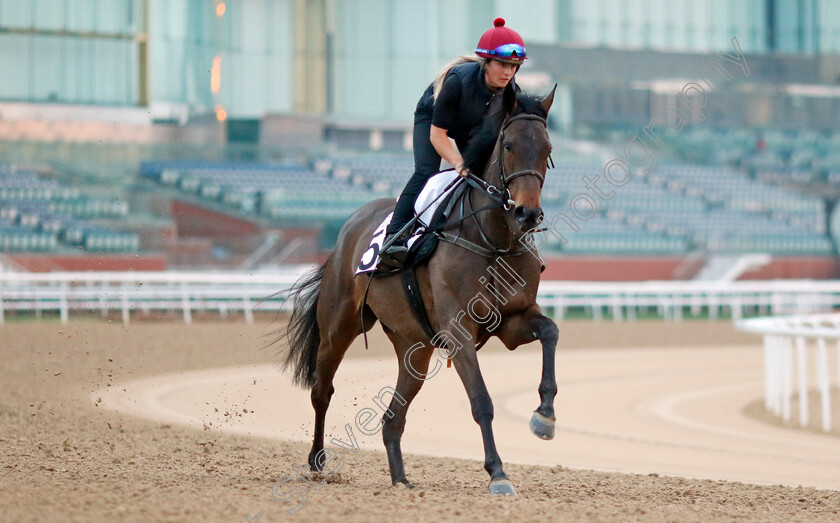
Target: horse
{"x":332,"y":305}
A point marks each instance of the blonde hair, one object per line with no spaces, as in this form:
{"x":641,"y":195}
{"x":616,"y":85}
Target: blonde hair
{"x":463,"y":59}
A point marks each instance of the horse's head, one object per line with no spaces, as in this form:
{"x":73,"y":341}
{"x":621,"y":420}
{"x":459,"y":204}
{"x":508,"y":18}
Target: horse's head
{"x":511,"y":148}
{"x":521,"y":153}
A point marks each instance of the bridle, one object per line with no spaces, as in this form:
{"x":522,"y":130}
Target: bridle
{"x":503,"y":194}
{"x":505,"y":178}
{"x":501,"y":198}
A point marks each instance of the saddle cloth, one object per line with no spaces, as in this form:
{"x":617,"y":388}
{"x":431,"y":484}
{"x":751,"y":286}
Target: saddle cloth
{"x":433,"y":189}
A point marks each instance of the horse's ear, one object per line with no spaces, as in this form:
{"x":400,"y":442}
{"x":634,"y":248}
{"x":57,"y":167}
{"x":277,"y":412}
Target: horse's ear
{"x":548,"y":100}
{"x":509,"y":98}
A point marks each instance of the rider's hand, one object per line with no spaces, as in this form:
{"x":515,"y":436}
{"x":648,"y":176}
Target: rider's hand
{"x":463,"y":170}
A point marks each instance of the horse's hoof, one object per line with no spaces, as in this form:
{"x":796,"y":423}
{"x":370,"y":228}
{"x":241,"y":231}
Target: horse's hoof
{"x":405,"y":484}
{"x":541,"y":426}
{"x":502,"y":487}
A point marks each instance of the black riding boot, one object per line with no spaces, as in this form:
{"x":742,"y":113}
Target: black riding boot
{"x":393,"y":257}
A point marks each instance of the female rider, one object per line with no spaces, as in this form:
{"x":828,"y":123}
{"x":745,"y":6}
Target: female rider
{"x":452,"y":107}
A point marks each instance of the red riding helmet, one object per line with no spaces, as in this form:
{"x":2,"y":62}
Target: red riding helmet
{"x":502,"y":43}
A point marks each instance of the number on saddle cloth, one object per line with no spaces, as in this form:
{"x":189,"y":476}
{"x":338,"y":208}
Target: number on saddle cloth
{"x":420,"y":247}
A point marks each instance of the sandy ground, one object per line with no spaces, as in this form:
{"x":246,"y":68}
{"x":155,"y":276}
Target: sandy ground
{"x":64,"y":457}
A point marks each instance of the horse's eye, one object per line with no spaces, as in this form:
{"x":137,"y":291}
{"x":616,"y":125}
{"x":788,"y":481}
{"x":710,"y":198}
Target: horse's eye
{"x":507,"y":147}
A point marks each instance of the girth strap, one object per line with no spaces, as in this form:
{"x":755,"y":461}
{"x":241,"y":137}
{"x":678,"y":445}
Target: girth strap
{"x":415,"y":301}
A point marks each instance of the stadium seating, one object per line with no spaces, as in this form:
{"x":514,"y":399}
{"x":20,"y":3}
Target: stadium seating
{"x":289,"y":192}
{"x":40,"y":215}
{"x":678,"y":208}
{"x":675,"y":209}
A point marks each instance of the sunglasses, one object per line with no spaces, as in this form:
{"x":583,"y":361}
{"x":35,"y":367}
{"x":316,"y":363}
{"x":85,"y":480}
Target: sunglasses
{"x":507,"y":51}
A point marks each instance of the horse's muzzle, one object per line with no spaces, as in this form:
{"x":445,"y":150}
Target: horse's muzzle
{"x":528,"y":217}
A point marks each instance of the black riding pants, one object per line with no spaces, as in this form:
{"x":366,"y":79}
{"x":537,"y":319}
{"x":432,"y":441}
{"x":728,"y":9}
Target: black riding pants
{"x":426,"y":164}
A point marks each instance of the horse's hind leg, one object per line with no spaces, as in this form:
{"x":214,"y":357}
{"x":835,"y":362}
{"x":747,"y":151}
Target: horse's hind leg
{"x":339,"y":327}
{"x":414,"y":364}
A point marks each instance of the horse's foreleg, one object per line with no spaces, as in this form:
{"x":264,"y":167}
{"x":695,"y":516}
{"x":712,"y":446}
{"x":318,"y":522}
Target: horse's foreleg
{"x":394,"y":418}
{"x":542,"y":421}
{"x":466,"y":364}
{"x":527,"y":327}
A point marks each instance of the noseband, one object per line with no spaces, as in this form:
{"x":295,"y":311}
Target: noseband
{"x":503,"y":195}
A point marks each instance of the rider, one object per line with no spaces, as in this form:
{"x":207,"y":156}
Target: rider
{"x":452,"y":107}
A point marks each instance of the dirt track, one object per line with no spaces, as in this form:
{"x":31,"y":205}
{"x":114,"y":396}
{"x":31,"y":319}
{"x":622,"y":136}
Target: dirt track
{"x":64,"y":458}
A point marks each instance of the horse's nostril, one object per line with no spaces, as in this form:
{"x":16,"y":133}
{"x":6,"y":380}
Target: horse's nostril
{"x":528,"y":214}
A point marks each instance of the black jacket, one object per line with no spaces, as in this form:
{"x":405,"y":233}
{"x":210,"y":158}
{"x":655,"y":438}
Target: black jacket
{"x":462,"y":103}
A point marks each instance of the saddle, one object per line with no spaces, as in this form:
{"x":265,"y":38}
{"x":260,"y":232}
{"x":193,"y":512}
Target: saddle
{"x":433,"y":205}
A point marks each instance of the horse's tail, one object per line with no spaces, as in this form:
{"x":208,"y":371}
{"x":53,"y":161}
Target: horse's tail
{"x":302,"y":332}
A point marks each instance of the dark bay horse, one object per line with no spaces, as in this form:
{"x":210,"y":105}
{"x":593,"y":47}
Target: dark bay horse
{"x":329,"y":303}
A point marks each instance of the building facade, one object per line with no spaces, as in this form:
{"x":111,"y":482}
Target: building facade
{"x":360,"y":60}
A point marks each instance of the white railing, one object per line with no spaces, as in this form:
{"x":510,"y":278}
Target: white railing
{"x":145,"y":291}
{"x":673,"y":300}
{"x":783,"y":334}
{"x":246,"y":292}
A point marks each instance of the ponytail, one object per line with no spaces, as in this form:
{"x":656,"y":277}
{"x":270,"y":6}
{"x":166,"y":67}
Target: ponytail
{"x":463,"y":59}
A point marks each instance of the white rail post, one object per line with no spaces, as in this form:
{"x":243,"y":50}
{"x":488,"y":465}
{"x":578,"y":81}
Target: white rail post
{"x":775,"y":303}
{"x":786,"y":369}
{"x":822,"y":378}
{"x":696,"y":304}
{"x":769,"y":378}
{"x":185,"y":303}
{"x":246,"y":309}
{"x":103,"y":309}
{"x":713,"y":306}
{"x":802,"y":367}
{"x":676,"y":301}
{"x":63,"y":305}
{"x":779,"y":370}
{"x":838,"y":362}
{"x":2,"y":306}
{"x":735,"y":308}
{"x":597,"y":310}
{"x":631,"y":310}
{"x":126,"y":315}
{"x":618,"y":315}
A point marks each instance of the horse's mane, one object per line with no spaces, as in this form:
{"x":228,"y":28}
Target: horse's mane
{"x":482,"y":141}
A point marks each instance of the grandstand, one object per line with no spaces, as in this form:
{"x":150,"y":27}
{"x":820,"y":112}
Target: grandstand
{"x":290,"y":192}
{"x":674,"y":210}
{"x":41,"y":215}
{"x":684,"y":208}
{"x":681,"y":208}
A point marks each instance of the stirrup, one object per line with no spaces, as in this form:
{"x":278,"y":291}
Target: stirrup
{"x":393,"y":257}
